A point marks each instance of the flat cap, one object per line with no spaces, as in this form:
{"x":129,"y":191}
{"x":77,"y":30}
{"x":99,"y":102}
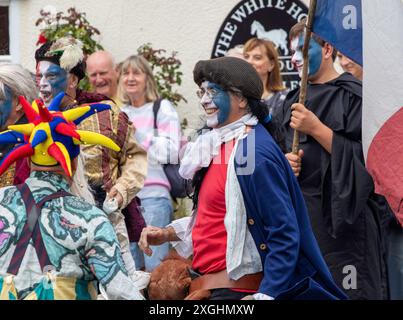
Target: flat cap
{"x":230,"y":72}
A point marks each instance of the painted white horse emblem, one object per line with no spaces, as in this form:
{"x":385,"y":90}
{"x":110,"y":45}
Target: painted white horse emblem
{"x":277,"y":36}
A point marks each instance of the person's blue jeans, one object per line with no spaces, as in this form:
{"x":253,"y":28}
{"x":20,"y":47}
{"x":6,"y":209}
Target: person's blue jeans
{"x":158,"y":213}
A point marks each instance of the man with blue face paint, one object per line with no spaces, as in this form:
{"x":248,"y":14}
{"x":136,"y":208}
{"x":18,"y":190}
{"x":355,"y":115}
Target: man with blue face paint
{"x":56,"y":73}
{"x":249,"y":235}
{"x":216,"y":103}
{"x":346,"y":215}
{"x":314,"y":54}
{"x":14,"y":81}
{"x":52,"y":80}
{"x":6,"y":105}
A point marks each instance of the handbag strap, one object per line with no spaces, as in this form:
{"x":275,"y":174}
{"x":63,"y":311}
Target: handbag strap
{"x":156,"y":108}
{"x":31,"y":229}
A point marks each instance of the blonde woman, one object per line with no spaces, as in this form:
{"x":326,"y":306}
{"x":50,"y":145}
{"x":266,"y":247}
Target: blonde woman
{"x":138,"y":92}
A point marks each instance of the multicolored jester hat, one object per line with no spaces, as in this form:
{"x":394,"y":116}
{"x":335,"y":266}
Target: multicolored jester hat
{"x":50,"y":136}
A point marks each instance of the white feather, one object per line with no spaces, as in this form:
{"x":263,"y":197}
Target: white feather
{"x":72,"y":52}
{"x":71,"y":56}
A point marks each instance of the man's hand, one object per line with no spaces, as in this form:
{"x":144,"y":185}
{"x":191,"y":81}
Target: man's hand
{"x":295,"y":161}
{"x":153,"y":236}
{"x":114,"y":193}
{"x":303,"y":120}
{"x":307,"y":122}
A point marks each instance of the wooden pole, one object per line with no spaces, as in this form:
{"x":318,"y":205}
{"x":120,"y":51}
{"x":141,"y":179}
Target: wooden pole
{"x":304,"y":78}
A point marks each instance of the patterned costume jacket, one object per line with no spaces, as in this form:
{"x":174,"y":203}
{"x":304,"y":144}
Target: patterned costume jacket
{"x":78,"y":237}
{"x":126,"y":170}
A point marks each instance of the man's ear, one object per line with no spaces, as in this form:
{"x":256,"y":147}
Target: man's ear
{"x":72,"y":81}
{"x":19,"y":111}
{"x":243,"y":102}
{"x":18,"y":106}
{"x":328,"y":50}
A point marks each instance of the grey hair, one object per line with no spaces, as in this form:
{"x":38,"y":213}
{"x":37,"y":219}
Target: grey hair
{"x":137,"y":62}
{"x":18,"y":80}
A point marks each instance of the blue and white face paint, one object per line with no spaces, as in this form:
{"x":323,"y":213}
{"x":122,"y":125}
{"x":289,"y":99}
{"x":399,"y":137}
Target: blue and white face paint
{"x":314,"y":52}
{"x":6,"y":105}
{"x":216,"y":103}
{"x":51,"y":80}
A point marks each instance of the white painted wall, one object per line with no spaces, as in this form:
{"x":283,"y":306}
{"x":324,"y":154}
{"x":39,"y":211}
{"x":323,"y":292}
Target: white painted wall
{"x":186,"y":26}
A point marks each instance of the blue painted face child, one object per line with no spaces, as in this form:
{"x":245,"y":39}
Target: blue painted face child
{"x":216,"y":103}
{"x":314,"y":52}
{"x":51,"y":80}
{"x":6,"y":106}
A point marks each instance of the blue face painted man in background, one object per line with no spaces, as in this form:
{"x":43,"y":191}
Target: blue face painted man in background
{"x":216,"y":103}
{"x":6,"y":106}
{"x":314,"y":53}
{"x":52,"y":80}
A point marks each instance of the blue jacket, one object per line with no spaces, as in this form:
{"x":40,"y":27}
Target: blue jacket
{"x":278,"y":220}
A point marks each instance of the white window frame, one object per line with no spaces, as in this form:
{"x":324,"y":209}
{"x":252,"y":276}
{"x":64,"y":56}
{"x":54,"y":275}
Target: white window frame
{"x":14,"y":31}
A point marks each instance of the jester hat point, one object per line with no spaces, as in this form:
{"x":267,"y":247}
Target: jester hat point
{"x":51,"y":136}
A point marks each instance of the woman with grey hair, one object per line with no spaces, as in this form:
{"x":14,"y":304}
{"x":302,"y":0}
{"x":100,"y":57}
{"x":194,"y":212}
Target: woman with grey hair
{"x":138,"y":91}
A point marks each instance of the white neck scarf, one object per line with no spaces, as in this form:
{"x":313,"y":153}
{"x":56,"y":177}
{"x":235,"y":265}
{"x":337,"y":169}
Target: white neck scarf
{"x":199,"y":154}
{"x":241,"y":255}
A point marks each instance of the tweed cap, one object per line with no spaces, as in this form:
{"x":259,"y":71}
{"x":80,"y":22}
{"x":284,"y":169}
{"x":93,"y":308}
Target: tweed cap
{"x":230,"y":72}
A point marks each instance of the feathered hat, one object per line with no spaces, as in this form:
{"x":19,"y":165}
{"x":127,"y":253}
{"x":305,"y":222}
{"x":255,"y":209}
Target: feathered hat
{"x":67,"y":52}
{"x":51,"y":137}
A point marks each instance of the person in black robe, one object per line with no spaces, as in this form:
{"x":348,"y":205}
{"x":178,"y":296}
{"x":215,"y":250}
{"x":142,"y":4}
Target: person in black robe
{"x":347,"y":217}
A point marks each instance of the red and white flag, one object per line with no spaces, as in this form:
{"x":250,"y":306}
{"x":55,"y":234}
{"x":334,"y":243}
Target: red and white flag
{"x":382,"y":113}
